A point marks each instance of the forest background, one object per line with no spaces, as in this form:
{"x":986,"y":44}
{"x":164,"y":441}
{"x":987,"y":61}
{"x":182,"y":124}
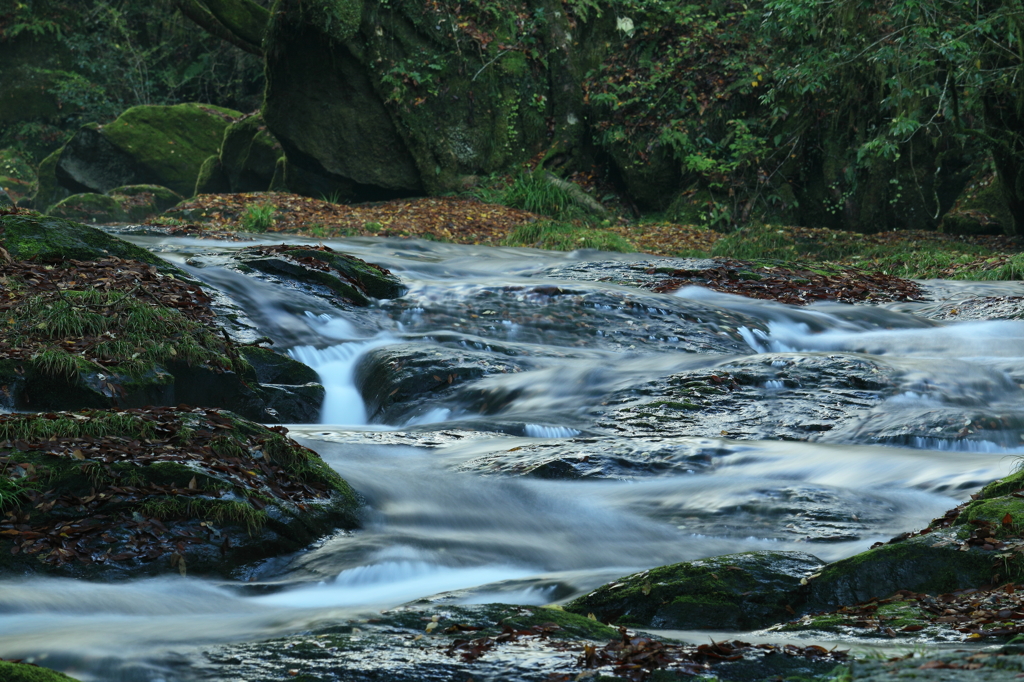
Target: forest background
{"x":860,"y":115}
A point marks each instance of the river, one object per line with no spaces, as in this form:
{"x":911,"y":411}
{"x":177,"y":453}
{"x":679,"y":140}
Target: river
{"x":447,"y":513}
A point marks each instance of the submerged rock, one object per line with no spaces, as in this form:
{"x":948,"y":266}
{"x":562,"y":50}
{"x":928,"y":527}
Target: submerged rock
{"x":110,"y":493}
{"x":93,"y":321}
{"x":736,"y":591}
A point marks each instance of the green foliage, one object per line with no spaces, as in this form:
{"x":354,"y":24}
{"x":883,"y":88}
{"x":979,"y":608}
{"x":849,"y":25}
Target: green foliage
{"x":566,"y":237}
{"x":532,"y":192}
{"x":258,"y":218}
{"x":120,"y":55}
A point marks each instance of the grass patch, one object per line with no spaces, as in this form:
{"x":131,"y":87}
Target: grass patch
{"x":258,"y":217}
{"x":558,"y":236}
{"x":112,"y":330}
{"x":917,"y":256}
{"x":535,"y":193}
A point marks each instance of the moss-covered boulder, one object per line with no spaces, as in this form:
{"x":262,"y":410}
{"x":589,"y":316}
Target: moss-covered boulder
{"x":18,"y":190}
{"x":211,"y":178}
{"x":142,"y":201}
{"x":90,"y":320}
{"x":25,"y":672}
{"x":736,"y":591}
{"x":162,"y":145}
{"x":48,"y":190}
{"x":409,"y":99}
{"x":5,"y":198}
{"x":89,"y":208}
{"x":249,"y":155}
{"x":101,"y":493}
{"x":980,"y":209}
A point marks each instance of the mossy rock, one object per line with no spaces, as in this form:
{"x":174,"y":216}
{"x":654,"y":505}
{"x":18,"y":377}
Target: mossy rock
{"x":249,"y":155}
{"x":162,"y":145}
{"x":23,"y":672}
{"x":48,"y":190}
{"x":146,"y":337}
{"x":211,"y":178}
{"x":340,"y":275}
{"x":107,"y":493}
{"x":33,"y":236}
{"x":736,"y":591}
{"x":90,"y":208}
{"x":142,"y":201}
{"x":980,"y":209}
{"x":5,"y":198}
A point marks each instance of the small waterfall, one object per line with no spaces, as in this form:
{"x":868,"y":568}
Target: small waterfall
{"x":336,"y":365}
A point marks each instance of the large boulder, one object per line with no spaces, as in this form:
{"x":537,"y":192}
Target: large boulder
{"x":93,"y":321}
{"x":249,"y":155}
{"x":110,"y":493}
{"x":89,"y":207}
{"x":162,"y":145}
{"x":387,"y":99}
{"x":26,"y":672}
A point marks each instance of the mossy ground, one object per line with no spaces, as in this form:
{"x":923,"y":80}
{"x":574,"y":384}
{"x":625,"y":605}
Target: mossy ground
{"x":22,"y":672}
{"x":158,"y":490}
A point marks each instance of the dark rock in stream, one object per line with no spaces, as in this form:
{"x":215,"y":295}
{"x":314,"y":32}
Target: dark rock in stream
{"x":320,"y":270}
{"x":95,"y":322}
{"x":401,"y":381}
{"x":771,"y":395}
{"x":129,"y":493}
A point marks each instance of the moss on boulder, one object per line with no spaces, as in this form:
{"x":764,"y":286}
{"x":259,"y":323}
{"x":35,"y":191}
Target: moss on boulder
{"x":142,"y":201}
{"x":93,"y":321}
{"x":100,"y":493}
{"x":48,"y":190}
{"x":249,"y":156}
{"x":211,"y":178}
{"x":745,"y":591}
{"x":89,"y":208}
{"x":980,"y":209}
{"x":162,"y":145}
{"x":24,"y":672}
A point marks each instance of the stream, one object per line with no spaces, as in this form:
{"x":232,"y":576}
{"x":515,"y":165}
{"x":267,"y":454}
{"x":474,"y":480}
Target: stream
{"x":562,"y":465}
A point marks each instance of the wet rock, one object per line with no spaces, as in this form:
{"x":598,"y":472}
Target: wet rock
{"x":585,"y":457}
{"x":498,"y":641}
{"x":290,"y":390}
{"x":402,"y":381}
{"x":966,"y":429}
{"x":770,"y":395}
{"x":25,"y":672}
{"x":318,"y":269}
{"x":594,"y":318}
{"x":113,"y":493}
{"x":162,"y":145}
{"x":90,"y":208}
{"x":735,"y":591}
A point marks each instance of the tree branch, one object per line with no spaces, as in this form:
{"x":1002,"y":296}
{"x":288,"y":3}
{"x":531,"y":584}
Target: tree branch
{"x":201,"y":16}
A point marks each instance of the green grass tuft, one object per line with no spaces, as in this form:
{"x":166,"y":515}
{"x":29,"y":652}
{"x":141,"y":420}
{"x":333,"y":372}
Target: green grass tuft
{"x":258,"y":218}
{"x":566,"y":237}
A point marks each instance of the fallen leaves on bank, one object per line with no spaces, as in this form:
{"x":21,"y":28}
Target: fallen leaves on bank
{"x":797,"y":286}
{"x":459,"y":220}
{"x":107,"y":495}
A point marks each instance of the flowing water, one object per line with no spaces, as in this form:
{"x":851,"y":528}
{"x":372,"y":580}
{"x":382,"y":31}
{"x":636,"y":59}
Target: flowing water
{"x":571,"y":346}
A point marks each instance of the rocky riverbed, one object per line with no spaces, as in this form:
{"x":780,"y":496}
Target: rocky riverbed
{"x":567,"y":434}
